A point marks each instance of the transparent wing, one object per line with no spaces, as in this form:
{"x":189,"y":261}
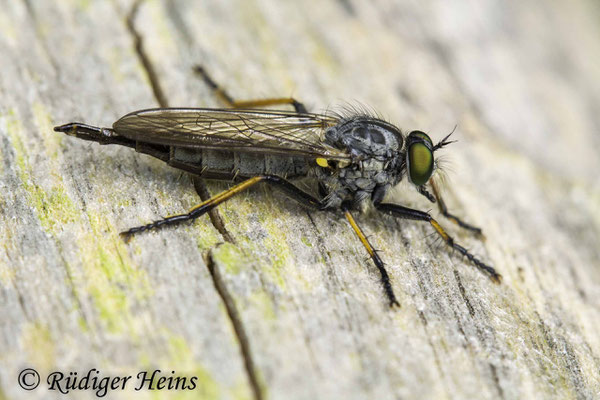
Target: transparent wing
{"x":266,"y":131}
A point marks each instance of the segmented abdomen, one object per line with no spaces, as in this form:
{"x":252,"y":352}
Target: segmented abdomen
{"x":220,"y":164}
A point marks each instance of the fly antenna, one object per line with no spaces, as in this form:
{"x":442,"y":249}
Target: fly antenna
{"x":444,"y":141}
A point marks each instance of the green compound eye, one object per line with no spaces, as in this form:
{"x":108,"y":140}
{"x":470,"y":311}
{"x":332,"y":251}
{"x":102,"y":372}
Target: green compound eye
{"x":420,"y":163}
{"x":420,"y":135}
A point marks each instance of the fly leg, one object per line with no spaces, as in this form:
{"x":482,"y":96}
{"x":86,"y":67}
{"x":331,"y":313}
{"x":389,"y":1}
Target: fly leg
{"x":385,"y":279}
{"x":230,"y":102}
{"x":421,"y":189}
{"x":437,"y":198}
{"x":204,"y":207}
{"x":409,"y":213}
{"x":444,"y":211}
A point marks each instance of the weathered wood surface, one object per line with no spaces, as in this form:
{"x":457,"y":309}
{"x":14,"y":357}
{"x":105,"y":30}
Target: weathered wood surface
{"x":291,"y":307}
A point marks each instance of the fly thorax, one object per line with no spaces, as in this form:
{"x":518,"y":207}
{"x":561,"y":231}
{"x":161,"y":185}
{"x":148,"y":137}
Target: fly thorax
{"x":366,"y":137}
{"x":375,"y":147}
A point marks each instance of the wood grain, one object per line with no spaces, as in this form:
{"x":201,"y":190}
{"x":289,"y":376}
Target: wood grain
{"x":281,"y":302}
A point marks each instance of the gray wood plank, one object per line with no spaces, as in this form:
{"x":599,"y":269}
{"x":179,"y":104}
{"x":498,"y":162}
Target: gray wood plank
{"x":288,"y":305}
{"x":75,"y":295}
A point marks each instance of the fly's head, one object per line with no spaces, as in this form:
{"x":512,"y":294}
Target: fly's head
{"x":420,"y":162}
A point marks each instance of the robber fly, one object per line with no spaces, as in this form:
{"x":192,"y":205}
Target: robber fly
{"x":355,"y":159}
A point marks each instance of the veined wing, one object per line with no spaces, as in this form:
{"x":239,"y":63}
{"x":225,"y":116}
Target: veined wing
{"x":247,"y":130}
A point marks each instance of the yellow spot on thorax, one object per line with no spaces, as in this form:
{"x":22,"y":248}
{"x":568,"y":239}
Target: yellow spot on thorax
{"x":321,"y":162}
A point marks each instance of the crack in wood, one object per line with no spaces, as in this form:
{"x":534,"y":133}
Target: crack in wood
{"x":463,"y":294}
{"x":40,"y":35}
{"x":496,"y":380}
{"x":214,"y":215}
{"x":138,"y":42}
{"x":238,"y":325}
{"x":161,"y":99}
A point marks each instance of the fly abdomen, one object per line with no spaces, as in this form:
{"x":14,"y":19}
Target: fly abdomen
{"x":222,"y":164}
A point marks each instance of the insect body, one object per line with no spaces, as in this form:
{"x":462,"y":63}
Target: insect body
{"x":355,"y":159}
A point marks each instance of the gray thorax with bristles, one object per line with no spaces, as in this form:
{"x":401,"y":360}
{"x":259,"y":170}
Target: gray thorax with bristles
{"x":377,"y":161}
